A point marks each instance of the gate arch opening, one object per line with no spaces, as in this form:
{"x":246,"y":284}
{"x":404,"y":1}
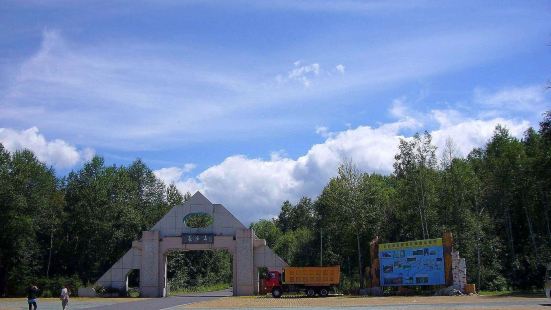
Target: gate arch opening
{"x":207,"y":270}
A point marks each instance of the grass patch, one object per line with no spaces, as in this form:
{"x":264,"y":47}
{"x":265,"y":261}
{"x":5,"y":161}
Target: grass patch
{"x":495,"y":293}
{"x":133,"y":292}
{"x":202,"y":289}
{"x":537,"y":293}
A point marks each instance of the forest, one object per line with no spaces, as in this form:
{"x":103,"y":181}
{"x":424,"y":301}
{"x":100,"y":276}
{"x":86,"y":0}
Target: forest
{"x":495,"y":201}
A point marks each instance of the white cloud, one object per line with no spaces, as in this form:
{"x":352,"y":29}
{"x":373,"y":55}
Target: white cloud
{"x":173,"y":174}
{"x":323,"y":131}
{"x":189,"y":167}
{"x":470,"y":133}
{"x":277,"y":155}
{"x":169,"y":175}
{"x":56,"y":152}
{"x":304,"y":74}
{"x":254,"y":188}
{"x":529,"y":98}
{"x":398,"y":108}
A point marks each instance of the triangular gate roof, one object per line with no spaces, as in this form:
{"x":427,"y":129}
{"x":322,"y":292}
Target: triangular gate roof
{"x":172,"y":224}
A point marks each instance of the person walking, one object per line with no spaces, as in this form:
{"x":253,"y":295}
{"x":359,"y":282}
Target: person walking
{"x":64,"y":297}
{"x":32,"y":296}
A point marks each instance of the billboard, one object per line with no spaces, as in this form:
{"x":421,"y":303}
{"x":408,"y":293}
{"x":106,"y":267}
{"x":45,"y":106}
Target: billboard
{"x":419,"y":262}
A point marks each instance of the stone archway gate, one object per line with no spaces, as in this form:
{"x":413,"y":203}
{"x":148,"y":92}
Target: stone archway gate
{"x":149,"y":255}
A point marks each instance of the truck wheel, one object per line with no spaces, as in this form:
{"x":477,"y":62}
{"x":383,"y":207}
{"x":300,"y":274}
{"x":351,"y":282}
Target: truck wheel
{"x":276,"y":292}
{"x":324,"y":292}
{"x":310,"y":292}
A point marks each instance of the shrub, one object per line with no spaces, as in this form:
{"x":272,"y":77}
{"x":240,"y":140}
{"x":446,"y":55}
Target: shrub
{"x":51,"y":287}
{"x":349,"y":286}
{"x":499,"y":283}
{"x":110,"y":291}
{"x":133,"y":292}
{"x":100,"y":290}
{"x":46,"y":293}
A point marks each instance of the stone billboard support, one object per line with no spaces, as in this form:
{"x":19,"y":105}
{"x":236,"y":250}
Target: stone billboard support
{"x":149,"y":255}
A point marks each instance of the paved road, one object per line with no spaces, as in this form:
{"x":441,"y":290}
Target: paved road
{"x":109,"y":304}
{"x":166,"y":303}
{"x":213,"y":300}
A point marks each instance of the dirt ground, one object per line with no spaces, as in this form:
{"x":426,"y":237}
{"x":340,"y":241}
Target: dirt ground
{"x":419,"y":302}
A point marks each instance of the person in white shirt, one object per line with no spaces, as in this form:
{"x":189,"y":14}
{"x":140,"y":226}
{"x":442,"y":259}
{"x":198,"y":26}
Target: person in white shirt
{"x":64,"y":297}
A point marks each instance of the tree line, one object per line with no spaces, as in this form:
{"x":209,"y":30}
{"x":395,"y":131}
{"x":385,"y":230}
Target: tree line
{"x":495,"y":201}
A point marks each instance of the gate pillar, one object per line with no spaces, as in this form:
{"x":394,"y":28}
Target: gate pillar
{"x":149,"y":271}
{"x":243,"y":263}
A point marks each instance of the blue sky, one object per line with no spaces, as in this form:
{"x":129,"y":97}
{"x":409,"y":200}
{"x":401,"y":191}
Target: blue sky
{"x":256,"y":102}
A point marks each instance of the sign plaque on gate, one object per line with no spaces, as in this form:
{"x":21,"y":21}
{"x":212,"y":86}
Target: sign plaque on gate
{"x":197,"y":238}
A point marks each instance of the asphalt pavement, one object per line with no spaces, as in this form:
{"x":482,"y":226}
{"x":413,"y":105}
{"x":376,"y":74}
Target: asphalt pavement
{"x":167,"y":302}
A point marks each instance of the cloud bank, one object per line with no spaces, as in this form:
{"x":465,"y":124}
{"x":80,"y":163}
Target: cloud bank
{"x":254,"y":188}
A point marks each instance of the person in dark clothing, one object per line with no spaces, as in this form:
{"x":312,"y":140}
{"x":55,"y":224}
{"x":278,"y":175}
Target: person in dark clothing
{"x":32,"y":296}
{"x":64,"y":297}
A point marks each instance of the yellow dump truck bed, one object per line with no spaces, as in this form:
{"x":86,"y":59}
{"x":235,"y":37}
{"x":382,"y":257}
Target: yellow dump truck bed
{"x":315,"y":276}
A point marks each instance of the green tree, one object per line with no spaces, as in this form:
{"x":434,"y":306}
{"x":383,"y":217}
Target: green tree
{"x":107,"y":208}
{"x":415,"y":170}
{"x":29,"y":216}
{"x":173,"y":196}
{"x":268,"y":230}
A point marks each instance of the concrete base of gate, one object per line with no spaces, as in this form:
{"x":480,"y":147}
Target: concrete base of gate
{"x":86,"y":292}
{"x":149,"y":255}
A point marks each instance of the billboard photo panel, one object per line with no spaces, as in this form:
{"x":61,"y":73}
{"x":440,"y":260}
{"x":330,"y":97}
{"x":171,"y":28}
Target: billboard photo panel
{"x":419,"y":262}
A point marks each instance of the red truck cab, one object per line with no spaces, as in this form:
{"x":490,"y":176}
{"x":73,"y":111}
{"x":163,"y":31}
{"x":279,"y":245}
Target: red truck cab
{"x":273,"y":283}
